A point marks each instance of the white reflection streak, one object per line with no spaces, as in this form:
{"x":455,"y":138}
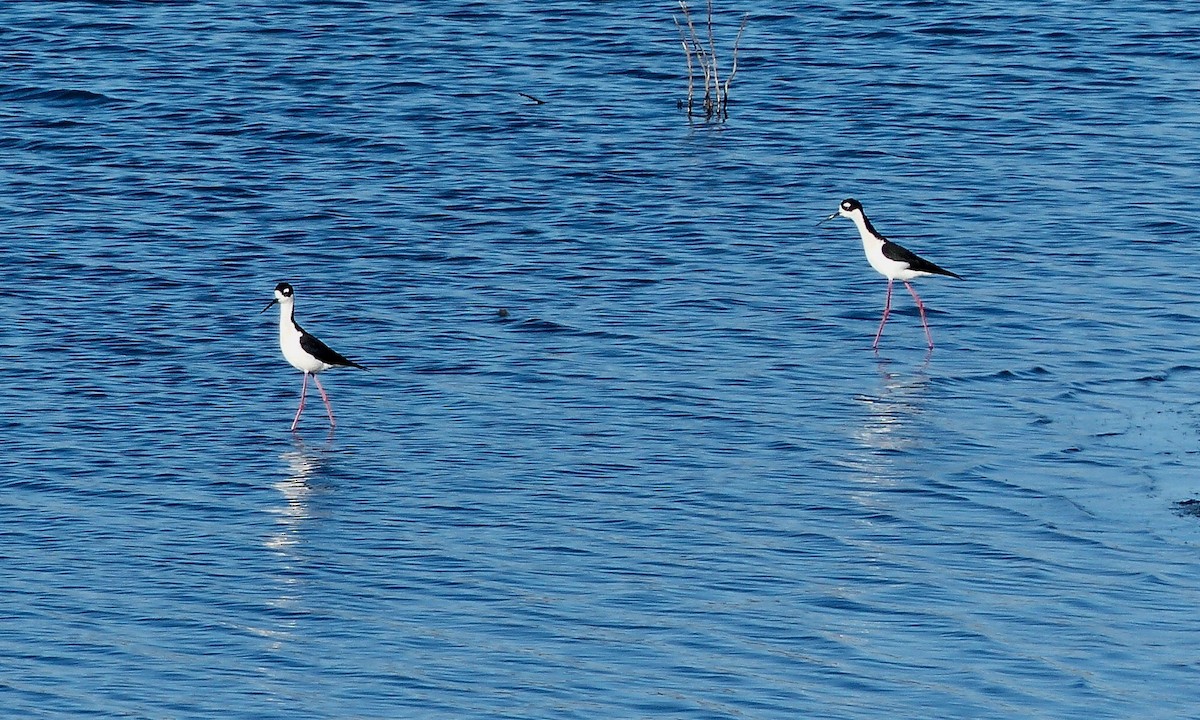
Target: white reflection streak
{"x":302,"y":466}
{"x":295,"y":489}
{"x":888,"y":425}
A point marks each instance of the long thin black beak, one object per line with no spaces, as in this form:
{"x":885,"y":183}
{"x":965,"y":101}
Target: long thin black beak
{"x":268,"y":307}
{"x":827,"y":219}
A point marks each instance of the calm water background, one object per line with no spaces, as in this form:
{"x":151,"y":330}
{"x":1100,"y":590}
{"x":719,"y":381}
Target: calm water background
{"x":674,"y":481}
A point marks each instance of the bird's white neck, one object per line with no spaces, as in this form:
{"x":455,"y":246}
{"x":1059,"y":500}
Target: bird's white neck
{"x":287,"y":325}
{"x":870,"y":240}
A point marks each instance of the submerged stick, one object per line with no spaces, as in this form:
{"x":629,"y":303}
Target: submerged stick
{"x":704,"y":53}
{"x":712,"y":56}
{"x":733,"y":69}
{"x":687,"y":54}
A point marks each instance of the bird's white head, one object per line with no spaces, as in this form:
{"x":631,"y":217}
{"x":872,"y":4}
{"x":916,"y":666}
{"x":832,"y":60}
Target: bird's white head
{"x":284,"y":295}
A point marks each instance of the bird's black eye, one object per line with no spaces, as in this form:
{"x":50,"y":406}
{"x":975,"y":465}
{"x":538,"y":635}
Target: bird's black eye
{"x":846,"y":205}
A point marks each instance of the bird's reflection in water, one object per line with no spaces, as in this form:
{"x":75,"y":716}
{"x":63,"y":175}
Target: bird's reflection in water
{"x":891,"y":423}
{"x":303,"y":464}
{"x":303,"y":468}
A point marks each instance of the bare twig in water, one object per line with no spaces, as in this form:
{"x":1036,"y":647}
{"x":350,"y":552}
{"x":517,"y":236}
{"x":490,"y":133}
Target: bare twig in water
{"x":704,"y":55}
{"x":527,"y":95}
{"x":733,"y":68}
{"x":712,"y":55}
{"x":687,"y":53}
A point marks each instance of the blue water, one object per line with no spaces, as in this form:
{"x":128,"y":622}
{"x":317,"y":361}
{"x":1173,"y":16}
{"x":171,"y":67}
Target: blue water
{"x":623,"y":449}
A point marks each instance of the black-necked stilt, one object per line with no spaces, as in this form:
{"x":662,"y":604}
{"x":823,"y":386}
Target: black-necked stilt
{"x":304,"y":351}
{"x":890,"y":260}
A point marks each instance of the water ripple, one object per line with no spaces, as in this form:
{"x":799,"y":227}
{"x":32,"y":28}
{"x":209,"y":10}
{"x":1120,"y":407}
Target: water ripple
{"x":624,"y":448}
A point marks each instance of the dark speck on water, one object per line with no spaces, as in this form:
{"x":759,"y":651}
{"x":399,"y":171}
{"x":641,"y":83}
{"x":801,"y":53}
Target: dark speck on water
{"x":675,"y":482}
{"x":1188,"y":507}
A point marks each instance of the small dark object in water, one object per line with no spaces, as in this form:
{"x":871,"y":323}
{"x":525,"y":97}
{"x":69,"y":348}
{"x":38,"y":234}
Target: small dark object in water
{"x":1188,"y":507}
{"x":502,"y":313}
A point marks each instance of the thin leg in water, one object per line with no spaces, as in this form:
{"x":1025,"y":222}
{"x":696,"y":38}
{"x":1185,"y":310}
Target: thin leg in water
{"x":921,"y":308}
{"x":887,"y":308}
{"x":328,"y":407}
{"x":303,"y":393}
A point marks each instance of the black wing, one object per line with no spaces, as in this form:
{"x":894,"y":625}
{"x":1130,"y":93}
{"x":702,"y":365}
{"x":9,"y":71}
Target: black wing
{"x":915,"y":262}
{"x":324,"y":353}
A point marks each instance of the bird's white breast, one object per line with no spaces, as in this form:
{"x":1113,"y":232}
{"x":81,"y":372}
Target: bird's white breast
{"x":873,"y":248}
{"x":289,"y":343}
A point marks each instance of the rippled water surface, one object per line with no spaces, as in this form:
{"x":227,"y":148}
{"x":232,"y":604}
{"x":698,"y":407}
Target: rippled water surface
{"x":623,"y":449}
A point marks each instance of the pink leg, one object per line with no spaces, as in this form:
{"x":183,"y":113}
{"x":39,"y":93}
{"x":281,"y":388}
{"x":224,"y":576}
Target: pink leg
{"x":887,"y":309}
{"x":921,"y":308}
{"x":328,"y":407}
{"x":303,"y":393}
